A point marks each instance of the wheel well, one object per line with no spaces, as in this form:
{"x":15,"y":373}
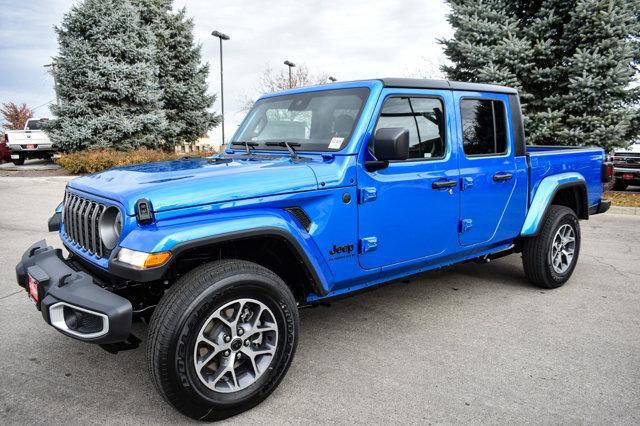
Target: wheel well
{"x":574,"y":197}
{"x":271,"y":251}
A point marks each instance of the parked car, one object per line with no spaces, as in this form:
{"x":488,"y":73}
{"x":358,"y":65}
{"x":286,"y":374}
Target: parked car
{"x":626,"y":167}
{"x":325,"y":191}
{"x":32,"y":142}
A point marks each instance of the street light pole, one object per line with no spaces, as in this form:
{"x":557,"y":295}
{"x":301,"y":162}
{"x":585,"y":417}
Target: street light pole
{"x":54,"y":72}
{"x":221,"y":36}
{"x":290,"y":65}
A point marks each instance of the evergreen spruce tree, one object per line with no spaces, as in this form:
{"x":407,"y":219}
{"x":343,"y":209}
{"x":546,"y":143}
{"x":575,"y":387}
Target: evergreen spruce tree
{"x":487,"y":46}
{"x":572,"y":61}
{"x":107,"y":79}
{"x":182,"y":76}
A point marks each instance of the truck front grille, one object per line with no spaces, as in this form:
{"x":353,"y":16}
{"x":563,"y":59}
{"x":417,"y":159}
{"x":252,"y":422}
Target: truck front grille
{"x":81,"y":218}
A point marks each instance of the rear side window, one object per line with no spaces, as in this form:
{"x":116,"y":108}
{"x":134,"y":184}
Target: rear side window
{"x":484,"y":127}
{"x":423,"y":117}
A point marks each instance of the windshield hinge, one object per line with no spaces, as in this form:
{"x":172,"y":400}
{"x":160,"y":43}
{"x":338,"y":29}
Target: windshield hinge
{"x":326,"y":156}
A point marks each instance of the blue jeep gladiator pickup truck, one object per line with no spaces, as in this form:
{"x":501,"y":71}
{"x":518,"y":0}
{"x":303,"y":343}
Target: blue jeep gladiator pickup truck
{"x":322,"y":192}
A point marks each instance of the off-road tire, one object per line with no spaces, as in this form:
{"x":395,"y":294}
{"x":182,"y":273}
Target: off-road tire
{"x":182,"y":312}
{"x":535,"y":255}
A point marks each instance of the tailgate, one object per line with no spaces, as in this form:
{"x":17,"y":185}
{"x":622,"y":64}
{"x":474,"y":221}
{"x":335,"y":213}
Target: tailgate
{"x":25,"y":137}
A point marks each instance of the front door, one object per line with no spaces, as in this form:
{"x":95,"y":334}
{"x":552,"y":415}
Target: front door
{"x":410,"y":210}
{"x":488,"y":172}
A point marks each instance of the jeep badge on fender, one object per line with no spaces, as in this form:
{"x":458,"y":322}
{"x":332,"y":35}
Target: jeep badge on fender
{"x":341,"y":249}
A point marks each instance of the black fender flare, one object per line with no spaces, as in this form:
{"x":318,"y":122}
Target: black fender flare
{"x":125,"y":271}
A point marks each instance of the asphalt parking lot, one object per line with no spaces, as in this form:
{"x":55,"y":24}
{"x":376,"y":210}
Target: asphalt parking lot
{"x":473,"y":344}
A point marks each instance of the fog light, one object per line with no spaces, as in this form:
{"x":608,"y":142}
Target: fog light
{"x":82,"y":322}
{"x":77,"y":321}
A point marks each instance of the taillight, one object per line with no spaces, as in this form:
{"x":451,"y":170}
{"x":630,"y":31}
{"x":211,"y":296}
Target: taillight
{"x":607,"y":172}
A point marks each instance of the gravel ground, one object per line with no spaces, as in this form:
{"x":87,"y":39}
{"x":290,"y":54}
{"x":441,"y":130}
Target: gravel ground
{"x":473,"y":344}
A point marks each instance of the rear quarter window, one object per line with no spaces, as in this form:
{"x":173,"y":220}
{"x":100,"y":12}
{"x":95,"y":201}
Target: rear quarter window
{"x":484,"y":127}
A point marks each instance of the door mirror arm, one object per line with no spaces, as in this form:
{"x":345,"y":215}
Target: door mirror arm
{"x":373,"y":165}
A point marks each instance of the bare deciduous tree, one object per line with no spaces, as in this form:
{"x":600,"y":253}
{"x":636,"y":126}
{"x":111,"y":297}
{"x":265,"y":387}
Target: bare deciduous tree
{"x":274,"y":81}
{"x":15,"y":116}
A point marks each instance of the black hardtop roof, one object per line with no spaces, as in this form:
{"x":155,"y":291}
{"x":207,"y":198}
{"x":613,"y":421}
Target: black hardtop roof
{"x":419,"y":83}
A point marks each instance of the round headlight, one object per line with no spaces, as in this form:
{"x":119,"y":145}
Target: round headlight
{"x":110,"y":227}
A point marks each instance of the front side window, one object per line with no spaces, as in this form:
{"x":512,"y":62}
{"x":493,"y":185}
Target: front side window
{"x":423,"y":117}
{"x":484,"y":128}
{"x":318,"y":121}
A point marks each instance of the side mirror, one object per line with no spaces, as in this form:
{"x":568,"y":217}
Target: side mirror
{"x":390,"y":143}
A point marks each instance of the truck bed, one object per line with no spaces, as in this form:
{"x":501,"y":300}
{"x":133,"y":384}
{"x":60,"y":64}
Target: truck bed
{"x":546,"y":160}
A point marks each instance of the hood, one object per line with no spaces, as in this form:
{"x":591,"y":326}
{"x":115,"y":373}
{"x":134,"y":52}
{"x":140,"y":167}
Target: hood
{"x":634,"y":147}
{"x":183,"y":183}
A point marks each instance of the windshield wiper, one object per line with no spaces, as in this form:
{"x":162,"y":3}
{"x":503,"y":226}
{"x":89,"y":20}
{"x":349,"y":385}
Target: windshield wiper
{"x":246,"y":144}
{"x":288,"y":145}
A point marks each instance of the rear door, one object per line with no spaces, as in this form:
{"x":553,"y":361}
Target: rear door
{"x":409,"y":210}
{"x":488,"y":172}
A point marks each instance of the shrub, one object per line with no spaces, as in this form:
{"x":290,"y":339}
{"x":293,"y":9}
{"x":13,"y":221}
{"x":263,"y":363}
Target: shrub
{"x":93,"y":161}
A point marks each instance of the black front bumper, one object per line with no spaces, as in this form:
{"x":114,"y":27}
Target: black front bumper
{"x":69,"y":299}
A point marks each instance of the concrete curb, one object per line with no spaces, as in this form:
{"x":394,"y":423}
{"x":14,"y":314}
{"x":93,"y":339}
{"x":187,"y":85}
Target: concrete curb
{"x":635,"y":211}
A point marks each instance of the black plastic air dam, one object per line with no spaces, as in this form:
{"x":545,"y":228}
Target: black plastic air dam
{"x":61,"y":283}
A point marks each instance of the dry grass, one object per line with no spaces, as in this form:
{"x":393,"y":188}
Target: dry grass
{"x":624,"y":199}
{"x":93,"y":161}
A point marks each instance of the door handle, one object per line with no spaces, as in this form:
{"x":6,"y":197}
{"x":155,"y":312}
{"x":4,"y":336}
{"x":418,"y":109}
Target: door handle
{"x":442,"y":184}
{"x":498,"y":177}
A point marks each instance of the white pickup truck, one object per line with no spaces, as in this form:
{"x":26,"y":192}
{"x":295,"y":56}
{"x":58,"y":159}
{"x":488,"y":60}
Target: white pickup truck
{"x":32,"y":142}
{"x":626,"y":167}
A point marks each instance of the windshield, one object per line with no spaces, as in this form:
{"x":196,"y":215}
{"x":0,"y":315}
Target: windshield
{"x":316,"y":121}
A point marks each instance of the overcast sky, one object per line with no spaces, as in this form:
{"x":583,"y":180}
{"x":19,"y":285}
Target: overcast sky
{"x":348,"y":39}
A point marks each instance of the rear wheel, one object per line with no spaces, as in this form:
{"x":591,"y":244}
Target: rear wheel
{"x":18,"y":161}
{"x":550,"y":257}
{"x":222,"y":339}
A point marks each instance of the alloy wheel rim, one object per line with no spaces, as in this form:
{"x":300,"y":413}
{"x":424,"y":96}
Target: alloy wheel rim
{"x":563,"y":248}
{"x":235,"y":345}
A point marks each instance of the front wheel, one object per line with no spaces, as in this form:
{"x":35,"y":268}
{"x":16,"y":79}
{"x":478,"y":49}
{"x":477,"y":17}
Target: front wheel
{"x":222,"y":339}
{"x":550,"y":257}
